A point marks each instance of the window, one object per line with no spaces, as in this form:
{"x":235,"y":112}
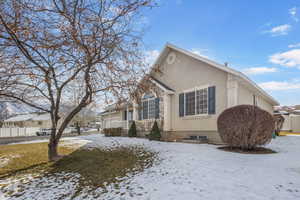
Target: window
{"x":150,"y":107}
{"x":196,"y":102}
{"x":151,"y":111}
{"x":145,"y":109}
{"x":201,"y":101}
{"x":190,"y":103}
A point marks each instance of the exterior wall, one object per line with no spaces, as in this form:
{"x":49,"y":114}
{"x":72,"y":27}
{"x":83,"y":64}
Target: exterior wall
{"x":245,"y":96}
{"x":212,"y":136}
{"x":187,"y":73}
{"x":113,"y":120}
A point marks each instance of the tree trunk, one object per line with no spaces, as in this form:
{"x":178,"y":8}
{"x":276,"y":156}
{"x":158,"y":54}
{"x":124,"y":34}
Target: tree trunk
{"x":52,"y":150}
{"x":78,"y":128}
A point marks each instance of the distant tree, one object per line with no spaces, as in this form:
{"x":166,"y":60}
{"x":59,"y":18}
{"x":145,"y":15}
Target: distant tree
{"x":155,"y":132}
{"x":245,"y":126}
{"x":132,"y":130}
{"x":48,"y":45}
{"x":279,"y":120}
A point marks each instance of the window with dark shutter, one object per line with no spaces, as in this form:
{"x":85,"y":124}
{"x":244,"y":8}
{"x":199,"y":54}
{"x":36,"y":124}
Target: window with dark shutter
{"x":200,"y":101}
{"x":212,"y":100}
{"x":181,"y":105}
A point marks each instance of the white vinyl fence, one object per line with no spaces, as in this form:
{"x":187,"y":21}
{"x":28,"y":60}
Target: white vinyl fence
{"x":17,"y":132}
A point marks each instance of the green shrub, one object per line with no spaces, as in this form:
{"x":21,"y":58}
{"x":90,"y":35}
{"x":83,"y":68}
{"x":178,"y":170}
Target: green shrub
{"x":132,"y":130}
{"x":112,"y":132}
{"x":155,"y":132}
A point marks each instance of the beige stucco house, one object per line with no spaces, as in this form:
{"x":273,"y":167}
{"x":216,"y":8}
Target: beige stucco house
{"x":189,"y":94}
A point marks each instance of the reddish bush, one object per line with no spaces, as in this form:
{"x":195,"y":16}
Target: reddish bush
{"x":245,"y":126}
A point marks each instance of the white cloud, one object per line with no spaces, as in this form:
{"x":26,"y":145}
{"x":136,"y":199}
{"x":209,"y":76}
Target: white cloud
{"x":277,"y":85}
{"x":279,"y":30}
{"x":289,"y":58}
{"x":293,"y":13}
{"x":259,"y":70}
{"x":294,"y":45}
{"x":151,"y":56}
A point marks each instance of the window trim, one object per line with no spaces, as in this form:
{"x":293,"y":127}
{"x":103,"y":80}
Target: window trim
{"x":191,"y":90}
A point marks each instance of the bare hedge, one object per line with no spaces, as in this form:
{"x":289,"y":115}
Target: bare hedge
{"x":245,"y":126}
{"x":112,"y":132}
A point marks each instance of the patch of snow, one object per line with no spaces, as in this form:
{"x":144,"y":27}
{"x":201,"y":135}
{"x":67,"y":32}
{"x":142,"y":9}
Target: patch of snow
{"x":187,"y":171}
{"x":5,"y":160}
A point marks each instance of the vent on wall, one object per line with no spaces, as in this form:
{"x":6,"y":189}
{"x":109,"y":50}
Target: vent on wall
{"x":171,"y":58}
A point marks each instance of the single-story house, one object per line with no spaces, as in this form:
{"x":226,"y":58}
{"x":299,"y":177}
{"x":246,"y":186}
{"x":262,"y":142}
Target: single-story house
{"x":41,"y":120}
{"x":190,"y":93}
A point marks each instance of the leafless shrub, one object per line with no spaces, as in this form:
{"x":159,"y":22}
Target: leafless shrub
{"x":279,"y":120}
{"x":245,"y":126}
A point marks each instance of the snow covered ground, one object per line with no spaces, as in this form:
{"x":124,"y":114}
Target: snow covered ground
{"x":185,"y":171}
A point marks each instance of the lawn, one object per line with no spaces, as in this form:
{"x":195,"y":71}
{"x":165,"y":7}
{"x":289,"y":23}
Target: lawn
{"x":22,"y":157}
{"x":91,"y":167}
{"x":175,"y":171}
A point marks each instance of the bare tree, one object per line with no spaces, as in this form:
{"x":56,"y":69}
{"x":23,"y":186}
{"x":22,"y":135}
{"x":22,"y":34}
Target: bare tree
{"x":46,"y":45}
{"x":279,"y":121}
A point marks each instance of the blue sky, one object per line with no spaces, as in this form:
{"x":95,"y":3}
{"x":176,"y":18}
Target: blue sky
{"x":259,"y":38}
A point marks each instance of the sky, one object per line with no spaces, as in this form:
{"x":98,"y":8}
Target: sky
{"x":259,"y":38}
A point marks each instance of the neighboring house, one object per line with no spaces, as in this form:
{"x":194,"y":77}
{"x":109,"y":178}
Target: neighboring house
{"x":291,"y":121}
{"x":41,"y":120}
{"x":189,"y":94}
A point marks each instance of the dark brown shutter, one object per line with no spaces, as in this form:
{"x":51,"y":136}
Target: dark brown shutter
{"x":181,"y":105}
{"x":212,"y":100}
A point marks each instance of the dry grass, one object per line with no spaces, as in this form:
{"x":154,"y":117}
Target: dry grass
{"x":95,"y":166}
{"x":26,"y":156}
